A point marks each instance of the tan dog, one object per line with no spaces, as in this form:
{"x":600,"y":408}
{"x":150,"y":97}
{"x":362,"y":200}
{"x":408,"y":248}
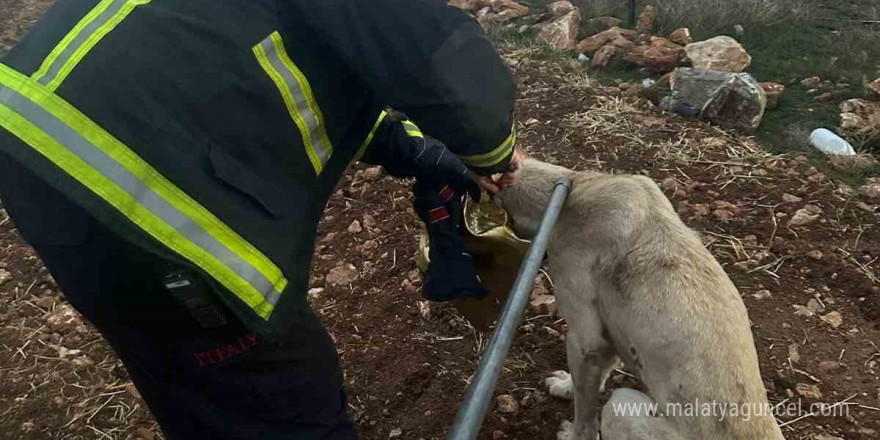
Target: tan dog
{"x":632,"y":281}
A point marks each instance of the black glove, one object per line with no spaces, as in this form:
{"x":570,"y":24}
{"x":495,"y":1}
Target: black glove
{"x":451,"y":273}
{"x":409,"y":153}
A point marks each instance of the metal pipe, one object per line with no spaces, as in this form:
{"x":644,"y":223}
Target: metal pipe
{"x":479,"y":395}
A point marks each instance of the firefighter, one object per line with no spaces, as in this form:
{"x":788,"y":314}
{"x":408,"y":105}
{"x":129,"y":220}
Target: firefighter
{"x":169,"y":162}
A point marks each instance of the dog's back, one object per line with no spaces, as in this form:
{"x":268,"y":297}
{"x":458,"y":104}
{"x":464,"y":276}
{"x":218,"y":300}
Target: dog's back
{"x":666,"y":305}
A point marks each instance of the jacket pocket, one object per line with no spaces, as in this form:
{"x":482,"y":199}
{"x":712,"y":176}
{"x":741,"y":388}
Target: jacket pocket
{"x":263,"y":193}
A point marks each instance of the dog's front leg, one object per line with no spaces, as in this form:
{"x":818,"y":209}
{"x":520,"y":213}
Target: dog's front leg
{"x":589,"y":358}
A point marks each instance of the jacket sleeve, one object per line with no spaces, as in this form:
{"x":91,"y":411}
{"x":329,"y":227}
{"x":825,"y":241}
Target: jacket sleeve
{"x":430,"y":61}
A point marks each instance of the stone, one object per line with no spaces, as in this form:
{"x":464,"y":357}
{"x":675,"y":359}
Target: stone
{"x":828,"y":366}
{"x":646,"y":20}
{"x":315,"y":293}
{"x":46,"y":302}
{"x":424,"y":309}
{"x":773,"y":91}
{"x":834,"y":319}
{"x":500,"y":6}
{"x":500,"y":11}
{"x":561,"y":32}
{"x":762,"y":294}
{"x":873,"y":88}
{"x":824,"y":97}
{"x":856,"y":161}
{"x":329,"y":237}
{"x":739,"y":30}
{"x":5,"y":276}
{"x":871,"y":189}
{"x":701,"y":209}
{"x":729,"y":100}
{"x":63,"y":319}
{"x":814,"y":306}
{"x":355,"y":227}
{"x":593,"y":43}
{"x":809,"y":391}
{"x":865,"y":207}
{"x":604,"y":23}
{"x":603,"y":56}
{"x":469,"y":5}
{"x":372,"y":173}
{"x":815,"y":254}
{"x":859,"y":117}
{"x":560,"y":8}
{"x":721,"y":53}
{"x":802,"y":217}
{"x":369,"y":222}
{"x":544,"y":304}
{"x":661,"y":55}
{"x":531,"y":122}
{"x":507,"y":404}
{"x":790,"y":198}
{"x":794,"y":353}
{"x":341,"y":275}
{"x":802,"y":310}
{"x":396,"y":432}
{"x":681,"y":36}
{"x":811,"y":82}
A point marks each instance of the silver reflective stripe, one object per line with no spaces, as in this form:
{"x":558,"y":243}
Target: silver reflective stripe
{"x":302,"y":104}
{"x":131,"y":184}
{"x":80,"y":39}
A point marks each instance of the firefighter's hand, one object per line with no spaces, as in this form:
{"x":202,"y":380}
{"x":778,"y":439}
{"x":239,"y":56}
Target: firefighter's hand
{"x":437,"y":166}
{"x":511,"y":176}
{"x":507,"y":179}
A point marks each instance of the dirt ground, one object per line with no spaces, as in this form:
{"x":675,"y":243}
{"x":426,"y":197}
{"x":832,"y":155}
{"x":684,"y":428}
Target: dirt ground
{"x":407,"y":367}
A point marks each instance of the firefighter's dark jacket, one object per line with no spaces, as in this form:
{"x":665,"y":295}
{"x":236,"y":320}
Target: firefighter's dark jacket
{"x":213,"y":132}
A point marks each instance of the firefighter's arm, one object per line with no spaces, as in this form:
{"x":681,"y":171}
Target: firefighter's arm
{"x":432,"y":62}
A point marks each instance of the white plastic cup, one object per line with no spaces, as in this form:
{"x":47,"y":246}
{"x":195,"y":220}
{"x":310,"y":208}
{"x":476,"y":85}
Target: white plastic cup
{"x":829,"y":143}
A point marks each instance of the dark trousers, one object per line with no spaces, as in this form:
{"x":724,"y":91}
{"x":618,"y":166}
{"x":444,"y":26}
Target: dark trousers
{"x":223,"y":383}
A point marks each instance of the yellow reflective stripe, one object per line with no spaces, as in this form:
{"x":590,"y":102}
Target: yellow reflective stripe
{"x":126,"y":202}
{"x":412,"y":130}
{"x":493,"y":157}
{"x":366,"y":143}
{"x":298,"y":98}
{"x":65,"y":42}
{"x":82,"y":38}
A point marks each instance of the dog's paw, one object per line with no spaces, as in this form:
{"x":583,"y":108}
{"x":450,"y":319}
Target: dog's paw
{"x":559,"y":385}
{"x":566,"y":431}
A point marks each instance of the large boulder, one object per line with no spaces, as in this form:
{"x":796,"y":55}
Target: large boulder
{"x":860,"y":117}
{"x":603,"y":56}
{"x":560,"y":8}
{"x":727,"y":99}
{"x":646,"y":20}
{"x":773,"y":91}
{"x":603,"y":23}
{"x":874,"y":89}
{"x":593,"y":43}
{"x":469,"y":5}
{"x":509,"y":9}
{"x":721,"y":53}
{"x":561,"y":32}
{"x":500,"y":11}
{"x":660,"y":55}
{"x":681,"y":36}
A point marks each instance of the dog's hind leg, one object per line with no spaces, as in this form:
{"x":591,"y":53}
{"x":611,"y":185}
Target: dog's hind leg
{"x":590,"y":357}
{"x":631,"y":415}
